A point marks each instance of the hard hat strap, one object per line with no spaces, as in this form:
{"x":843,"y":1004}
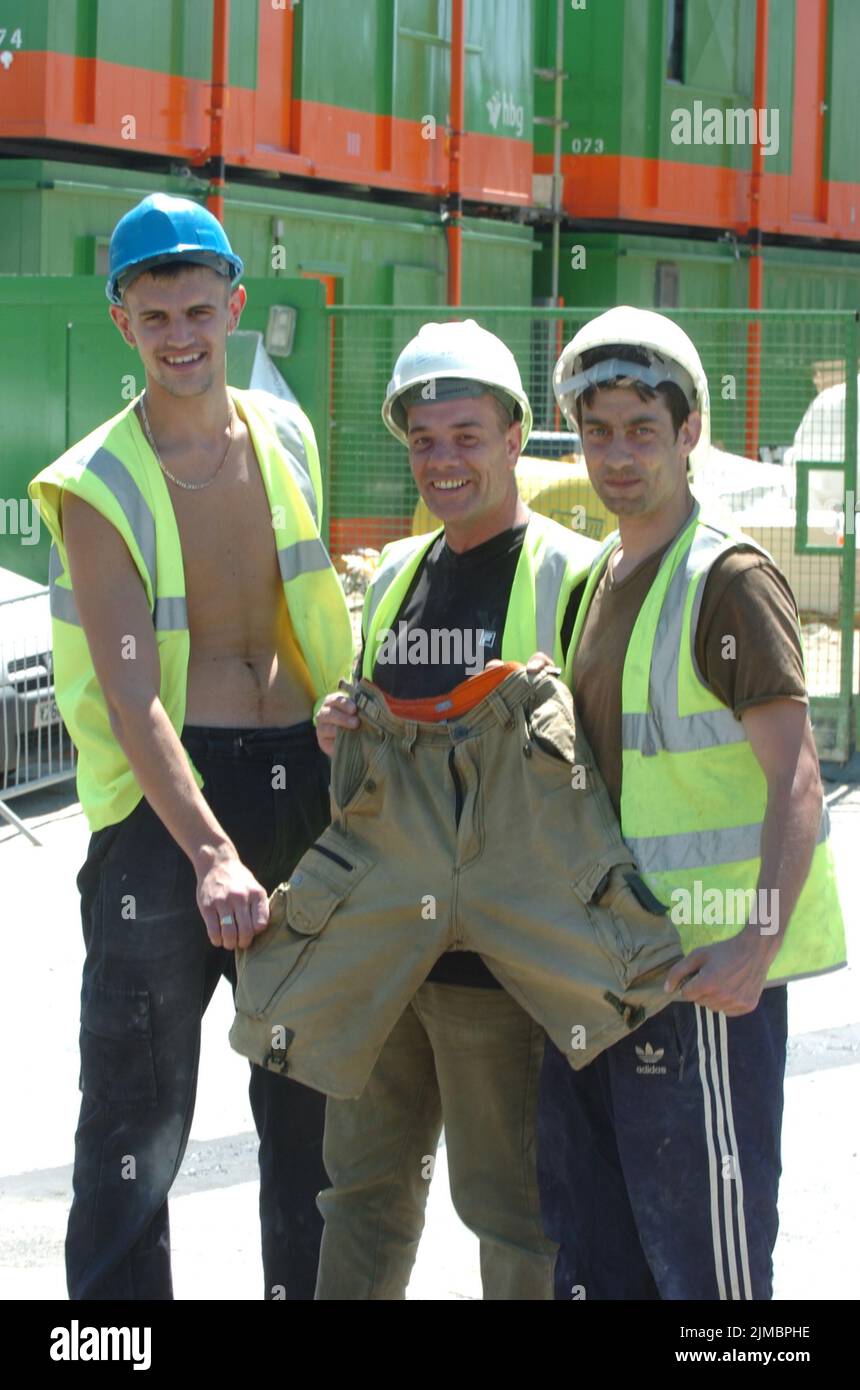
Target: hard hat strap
{"x":211,"y":259}
{"x":654,"y":375}
{"x":444,"y":388}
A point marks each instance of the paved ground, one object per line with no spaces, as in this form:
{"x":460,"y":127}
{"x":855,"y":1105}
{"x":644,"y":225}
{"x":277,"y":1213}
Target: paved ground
{"x":213,"y":1211}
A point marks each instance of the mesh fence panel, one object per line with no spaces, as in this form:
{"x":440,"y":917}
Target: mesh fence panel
{"x":778,"y":412}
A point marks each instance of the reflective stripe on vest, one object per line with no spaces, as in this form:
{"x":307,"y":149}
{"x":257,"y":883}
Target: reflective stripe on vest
{"x":390,"y":565}
{"x":673,"y":853}
{"x":302,"y":557}
{"x":549,"y":578}
{"x":170,"y":613}
{"x":62,"y":600}
{"x":670,"y":730}
{"x":290,"y":436}
{"x":117,"y":479}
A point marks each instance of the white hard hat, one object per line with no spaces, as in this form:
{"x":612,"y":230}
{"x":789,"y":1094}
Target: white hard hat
{"x":670,"y":356}
{"x":454,"y":352}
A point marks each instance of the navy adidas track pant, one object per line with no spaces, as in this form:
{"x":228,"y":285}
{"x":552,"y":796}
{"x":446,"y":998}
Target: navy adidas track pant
{"x":659,"y":1162}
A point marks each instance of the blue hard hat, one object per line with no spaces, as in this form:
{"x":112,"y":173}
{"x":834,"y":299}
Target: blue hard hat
{"x":164,"y":228}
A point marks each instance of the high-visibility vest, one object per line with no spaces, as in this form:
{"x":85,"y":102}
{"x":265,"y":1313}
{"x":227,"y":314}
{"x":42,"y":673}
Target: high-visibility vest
{"x":551,"y":563}
{"x":113,"y":469}
{"x":693,"y":795}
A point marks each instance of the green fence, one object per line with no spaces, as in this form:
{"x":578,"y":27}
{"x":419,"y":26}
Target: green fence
{"x":783,"y":412}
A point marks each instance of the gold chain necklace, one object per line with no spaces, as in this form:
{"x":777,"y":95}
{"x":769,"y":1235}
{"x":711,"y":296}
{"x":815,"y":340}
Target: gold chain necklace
{"x":189,"y":487}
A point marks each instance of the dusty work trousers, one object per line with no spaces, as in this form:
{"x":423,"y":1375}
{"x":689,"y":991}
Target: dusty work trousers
{"x":493,"y":833}
{"x":149,"y":974}
{"x":473,"y":1056}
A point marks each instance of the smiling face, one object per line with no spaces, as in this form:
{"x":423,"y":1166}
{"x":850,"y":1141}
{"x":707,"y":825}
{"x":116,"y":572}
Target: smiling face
{"x":179,"y":325}
{"x":463,"y":459}
{"x":635,"y":459}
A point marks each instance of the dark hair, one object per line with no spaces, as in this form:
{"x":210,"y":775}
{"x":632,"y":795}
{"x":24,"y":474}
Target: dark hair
{"x":503,"y":415}
{"x":170,"y":269}
{"x":676,"y":402}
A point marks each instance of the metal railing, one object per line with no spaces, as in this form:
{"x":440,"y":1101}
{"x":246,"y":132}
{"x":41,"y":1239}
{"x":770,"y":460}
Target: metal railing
{"x":35,"y":748}
{"x":783,"y":391}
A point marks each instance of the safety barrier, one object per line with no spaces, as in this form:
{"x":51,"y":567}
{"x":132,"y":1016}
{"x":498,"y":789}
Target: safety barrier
{"x":35,"y":748}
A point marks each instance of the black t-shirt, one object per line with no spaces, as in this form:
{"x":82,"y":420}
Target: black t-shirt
{"x":464,"y":596}
{"x":448,"y":627}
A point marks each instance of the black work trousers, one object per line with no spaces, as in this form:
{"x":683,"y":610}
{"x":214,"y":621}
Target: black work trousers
{"x":149,"y":974}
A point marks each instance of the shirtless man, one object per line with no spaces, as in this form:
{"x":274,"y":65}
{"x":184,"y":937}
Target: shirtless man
{"x":197,"y":624}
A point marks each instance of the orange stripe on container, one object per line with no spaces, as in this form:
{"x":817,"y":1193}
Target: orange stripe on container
{"x":624,"y":188}
{"x":58,"y":96}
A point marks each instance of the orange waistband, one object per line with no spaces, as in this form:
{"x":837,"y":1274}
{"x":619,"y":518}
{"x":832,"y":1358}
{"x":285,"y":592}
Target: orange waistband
{"x":457,"y":701}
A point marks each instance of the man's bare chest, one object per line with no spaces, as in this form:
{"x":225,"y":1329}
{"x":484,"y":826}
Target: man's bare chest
{"x":226,"y":535}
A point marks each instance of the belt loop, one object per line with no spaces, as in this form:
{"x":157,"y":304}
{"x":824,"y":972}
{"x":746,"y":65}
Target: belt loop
{"x":501,"y":710}
{"x":366,"y":704}
{"x":410,"y":734}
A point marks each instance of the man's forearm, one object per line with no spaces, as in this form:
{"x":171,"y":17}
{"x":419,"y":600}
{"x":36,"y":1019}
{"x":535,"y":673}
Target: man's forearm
{"x":160,"y":764}
{"x":788,"y":838}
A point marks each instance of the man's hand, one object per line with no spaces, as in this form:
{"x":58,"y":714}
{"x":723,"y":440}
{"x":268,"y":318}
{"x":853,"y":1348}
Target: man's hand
{"x":727,"y":977}
{"x":337,"y":711}
{"x":227,"y":890}
{"x":535,"y":663}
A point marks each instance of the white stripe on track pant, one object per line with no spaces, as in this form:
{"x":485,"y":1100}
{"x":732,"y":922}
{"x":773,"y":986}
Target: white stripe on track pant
{"x":659,"y":1162}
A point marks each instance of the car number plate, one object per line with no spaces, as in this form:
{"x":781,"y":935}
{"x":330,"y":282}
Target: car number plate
{"x":47,"y":713}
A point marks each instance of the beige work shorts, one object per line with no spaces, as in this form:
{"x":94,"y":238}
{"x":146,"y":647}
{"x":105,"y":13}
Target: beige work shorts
{"x":491,"y":833}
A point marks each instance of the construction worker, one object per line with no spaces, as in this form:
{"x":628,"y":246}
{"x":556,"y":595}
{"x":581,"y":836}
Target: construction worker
{"x":463,"y":1052}
{"x":659,"y":1162}
{"x":197,"y":624}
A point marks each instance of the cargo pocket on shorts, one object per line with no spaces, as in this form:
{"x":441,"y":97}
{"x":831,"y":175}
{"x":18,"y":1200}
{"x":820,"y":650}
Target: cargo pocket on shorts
{"x":630,"y":923}
{"x":299,"y":909}
{"x":117,"y":1065}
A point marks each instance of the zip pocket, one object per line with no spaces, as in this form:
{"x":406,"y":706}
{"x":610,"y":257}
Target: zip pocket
{"x":335,"y":858}
{"x":630,"y":923}
{"x":644,"y":896}
{"x":326,"y":874}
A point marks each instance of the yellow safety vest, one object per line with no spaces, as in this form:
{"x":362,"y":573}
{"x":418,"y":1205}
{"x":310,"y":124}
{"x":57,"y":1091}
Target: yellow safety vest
{"x":113,"y":469}
{"x":553,"y":560}
{"x":693,"y":794}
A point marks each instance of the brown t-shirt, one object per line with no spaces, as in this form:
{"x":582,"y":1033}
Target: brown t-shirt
{"x":746,"y":597}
